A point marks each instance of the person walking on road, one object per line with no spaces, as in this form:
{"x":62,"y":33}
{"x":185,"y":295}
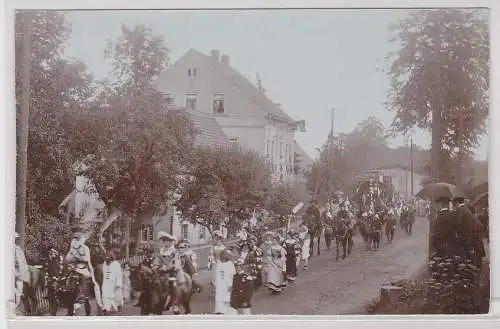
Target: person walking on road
{"x":112,"y":294}
{"x":224,"y":274}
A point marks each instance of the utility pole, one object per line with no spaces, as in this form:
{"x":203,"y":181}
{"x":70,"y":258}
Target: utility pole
{"x":411,"y":169}
{"x":22,"y":132}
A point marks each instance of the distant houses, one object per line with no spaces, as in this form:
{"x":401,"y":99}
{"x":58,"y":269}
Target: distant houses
{"x":225,"y":109}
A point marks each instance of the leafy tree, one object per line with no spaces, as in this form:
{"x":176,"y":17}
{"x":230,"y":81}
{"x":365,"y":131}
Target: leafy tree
{"x":282,"y":198}
{"x":146,"y":146}
{"x":44,"y":232}
{"x":223,"y":183}
{"x":442,"y":63}
{"x":59,"y":89}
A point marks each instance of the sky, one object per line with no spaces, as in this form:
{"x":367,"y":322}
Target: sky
{"x":310,"y":61}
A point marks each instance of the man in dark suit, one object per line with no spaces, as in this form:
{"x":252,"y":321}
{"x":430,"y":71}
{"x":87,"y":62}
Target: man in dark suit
{"x":470,"y":231}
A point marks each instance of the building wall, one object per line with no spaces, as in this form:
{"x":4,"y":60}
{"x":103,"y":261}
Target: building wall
{"x":399,"y":178}
{"x":280,"y":148}
{"x":172,"y":223}
{"x":243,"y":121}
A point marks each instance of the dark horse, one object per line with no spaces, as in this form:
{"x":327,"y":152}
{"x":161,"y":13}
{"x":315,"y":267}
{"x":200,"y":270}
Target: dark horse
{"x":390,"y":226}
{"x":156,"y":286}
{"x":314,"y":227}
{"x":343,"y":237}
{"x":375,"y":224}
{"x":37,"y":282}
{"x":407,"y":219}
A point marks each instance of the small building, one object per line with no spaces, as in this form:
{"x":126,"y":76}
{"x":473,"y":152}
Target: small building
{"x":401,"y":180}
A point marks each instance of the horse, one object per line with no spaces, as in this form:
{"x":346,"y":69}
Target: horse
{"x":343,"y":238}
{"x":37,"y":282}
{"x":390,"y":226}
{"x":407,"y":219}
{"x":374,"y":231}
{"x":156,"y":285}
{"x":315,"y":228}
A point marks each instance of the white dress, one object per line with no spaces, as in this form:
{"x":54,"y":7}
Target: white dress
{"x":224,"y":273}
{"x":112,"y":285}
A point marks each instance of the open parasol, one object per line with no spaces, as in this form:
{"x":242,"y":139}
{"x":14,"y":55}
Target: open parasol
{"x":435,"y":191}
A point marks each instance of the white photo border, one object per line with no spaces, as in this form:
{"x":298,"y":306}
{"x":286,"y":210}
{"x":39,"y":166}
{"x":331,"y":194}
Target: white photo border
{"x":7,"y":188}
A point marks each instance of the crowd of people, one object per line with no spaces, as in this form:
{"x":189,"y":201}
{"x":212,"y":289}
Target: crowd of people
{"x":260,"y":258}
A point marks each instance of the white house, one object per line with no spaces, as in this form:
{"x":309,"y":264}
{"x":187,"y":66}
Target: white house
{"x":401,"y":180}
{"x":208,"y":84}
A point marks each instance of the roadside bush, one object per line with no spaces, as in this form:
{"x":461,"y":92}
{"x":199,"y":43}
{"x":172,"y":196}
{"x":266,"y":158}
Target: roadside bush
{"x":43,"y":233}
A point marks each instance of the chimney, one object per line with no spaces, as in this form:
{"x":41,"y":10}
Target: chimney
{"x":214,"y":53}
{"x":224,"y":60}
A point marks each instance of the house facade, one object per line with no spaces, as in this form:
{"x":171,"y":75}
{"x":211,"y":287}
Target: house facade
{"x":208,"y":84}
{"x":401,"y":180}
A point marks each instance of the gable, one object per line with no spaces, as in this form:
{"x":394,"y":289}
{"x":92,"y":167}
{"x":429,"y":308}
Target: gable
{"x":243,"y":98}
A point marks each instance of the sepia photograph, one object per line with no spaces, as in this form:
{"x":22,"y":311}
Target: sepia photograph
{"x":251,"y":162}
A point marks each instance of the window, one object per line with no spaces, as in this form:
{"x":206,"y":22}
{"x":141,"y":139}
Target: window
{"x":233,"y":141}
{"x":267,"y":148}
{"x":147,"y":233}
{"x":272,"y":150}
{"x":281,"y":150}
{"x":194,"y":72}
{"x":189,"y":72}
{"x":169,"y":99}
{"x":185,"y":230}
{"x":203,"y":233}
{"x":191,"y":102}
{"x":218,"y":104}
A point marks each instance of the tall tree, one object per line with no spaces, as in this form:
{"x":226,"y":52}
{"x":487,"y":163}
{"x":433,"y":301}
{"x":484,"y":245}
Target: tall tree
{"x":59,"y":90}
{"x":223,"y":183}
{"x":147,"y":145}
{"x":442,"y":67}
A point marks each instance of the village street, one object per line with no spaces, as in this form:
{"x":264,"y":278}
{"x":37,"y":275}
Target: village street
{"x":331,"y":287}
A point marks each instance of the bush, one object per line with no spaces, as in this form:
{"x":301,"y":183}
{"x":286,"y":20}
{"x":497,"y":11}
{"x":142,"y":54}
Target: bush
{"x":42,"y":234}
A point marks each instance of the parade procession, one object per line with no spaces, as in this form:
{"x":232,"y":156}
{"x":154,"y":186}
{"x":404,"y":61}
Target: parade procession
{"x":164,"y":279}
{"x":158,"y":176}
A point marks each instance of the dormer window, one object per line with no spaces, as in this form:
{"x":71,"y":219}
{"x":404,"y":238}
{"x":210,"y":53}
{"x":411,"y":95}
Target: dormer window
{"x":218,"y":106}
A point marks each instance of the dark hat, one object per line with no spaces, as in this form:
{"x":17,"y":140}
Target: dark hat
{"x":442,"y":199}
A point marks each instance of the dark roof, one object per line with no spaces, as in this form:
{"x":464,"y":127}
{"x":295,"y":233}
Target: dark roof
{"x":208,"y":131}
{"x":261,"y":100}
{"x":247,"y":88}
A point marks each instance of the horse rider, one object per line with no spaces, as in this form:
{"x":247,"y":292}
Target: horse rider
{"x":347,"y":220}
{"x":328,"y":223}
{"x":313,"y":217}
{"x":168,"y":258}
{"x":190,"y":262}
{"x":22,"y":274}
{"x":78,"y":257}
